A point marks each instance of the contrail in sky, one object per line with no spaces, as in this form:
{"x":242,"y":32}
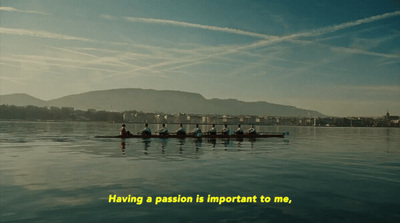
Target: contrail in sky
{"x":322,"y":31}
{"x":315,"y":32}
{"x":268,"y":40}
{"x":193,"y":25}
{"x":11,"y":9}
{"x":334,"y":28}
{"x":13,"y":80}
{"x":38,"y":33}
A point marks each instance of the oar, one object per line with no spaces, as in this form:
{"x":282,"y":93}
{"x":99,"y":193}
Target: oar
{"x":284,"y":133}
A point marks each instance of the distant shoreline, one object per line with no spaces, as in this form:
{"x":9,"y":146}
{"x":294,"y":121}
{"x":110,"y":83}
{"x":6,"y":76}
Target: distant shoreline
{"x":201,"y":124}
{"x":63,"y":114}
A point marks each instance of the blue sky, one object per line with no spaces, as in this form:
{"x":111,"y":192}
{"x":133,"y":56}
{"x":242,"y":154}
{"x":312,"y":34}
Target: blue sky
{"x":341,"y":58}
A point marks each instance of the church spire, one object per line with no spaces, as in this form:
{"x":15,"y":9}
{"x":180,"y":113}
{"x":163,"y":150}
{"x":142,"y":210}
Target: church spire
{"x":387,"y":114}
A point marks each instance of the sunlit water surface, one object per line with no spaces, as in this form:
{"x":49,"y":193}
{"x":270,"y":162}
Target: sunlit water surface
{"x":58,"y":172}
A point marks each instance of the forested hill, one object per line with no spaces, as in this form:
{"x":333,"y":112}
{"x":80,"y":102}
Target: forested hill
{"x":159,"y":101}
{"x":21,"y":100}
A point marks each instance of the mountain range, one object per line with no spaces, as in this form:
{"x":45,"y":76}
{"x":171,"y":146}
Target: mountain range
{"x":163,"y":101}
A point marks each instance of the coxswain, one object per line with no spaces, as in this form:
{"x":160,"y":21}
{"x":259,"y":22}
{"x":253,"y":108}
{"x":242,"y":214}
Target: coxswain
{"x":251,"y":131}
{"x":212,"y":131}
{"x":163,"y":130}
{"x":239,"y":130}
{"x":181,"y":130}
{"x":197,"y":131}
{"x":122,"y":131}
{"x":146,"y":130}
{"x":225,"y":130}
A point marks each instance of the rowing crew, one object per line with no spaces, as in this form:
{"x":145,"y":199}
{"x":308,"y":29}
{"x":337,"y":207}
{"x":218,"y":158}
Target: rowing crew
{"x":196,"y":131}
{"x":226,"y":131}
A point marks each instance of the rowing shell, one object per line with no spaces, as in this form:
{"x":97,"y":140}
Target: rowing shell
{"x":274,"y":135}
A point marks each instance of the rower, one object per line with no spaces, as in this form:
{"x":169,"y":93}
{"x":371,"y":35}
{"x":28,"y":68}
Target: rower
{"x":122,"y":131}
{"x":146,"y":130}
{"x":225,"y":130}
{"x":197,"y":131}
{"x":251,"y":131}
{"x":212,"y":131}
{"x":181,"y":130}
{"x":163,"y":131}
{"x":239,"y":130}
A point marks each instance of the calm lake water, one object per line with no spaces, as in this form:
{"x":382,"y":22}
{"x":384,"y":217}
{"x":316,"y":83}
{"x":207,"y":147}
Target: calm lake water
{"x":58,"y":172}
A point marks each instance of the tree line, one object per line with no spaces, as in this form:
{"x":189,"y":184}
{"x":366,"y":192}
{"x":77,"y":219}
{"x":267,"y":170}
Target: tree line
{"x":33,"y":113}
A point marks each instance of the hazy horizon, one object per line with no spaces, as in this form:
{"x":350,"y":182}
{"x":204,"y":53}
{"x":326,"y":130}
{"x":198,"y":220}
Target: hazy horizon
{"x":372,"y":116}
{"x":339,"y":58}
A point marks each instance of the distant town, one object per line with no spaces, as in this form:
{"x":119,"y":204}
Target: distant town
{"x":33,"y":113}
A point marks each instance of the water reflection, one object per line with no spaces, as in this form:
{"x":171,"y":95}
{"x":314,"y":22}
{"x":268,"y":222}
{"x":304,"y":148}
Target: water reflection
{"x":227,"y":143}
{"x":213,"y":142}
{"x":252,"y":141}
{"x":146,"y":144}
{"x":122,"y":145}
{"x":164,"y":143}
{"x":184,"y":146}
{"x":181,"y":142}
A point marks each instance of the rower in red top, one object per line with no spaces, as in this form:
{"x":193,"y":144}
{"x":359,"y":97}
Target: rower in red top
{"x":122,"y":131}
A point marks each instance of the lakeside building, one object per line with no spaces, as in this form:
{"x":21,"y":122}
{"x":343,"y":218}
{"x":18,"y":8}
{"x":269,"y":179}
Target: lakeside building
{"x":32,"y":113}
{"x":385,"y":121}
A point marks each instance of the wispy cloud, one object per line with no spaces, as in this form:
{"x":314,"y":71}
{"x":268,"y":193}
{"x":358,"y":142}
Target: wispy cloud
{"x":12,"y":80}
{"x":348,"y":50}
{"x":11,"y":9}
{"x":318,"y":32}
{"x":184,"y":58}
{"x":363,"y":52}
{"x":381,"y":90}
{"x":267,"y":39}
{"x":38,"y":33}
{"x":56,"y":62}
{"x":334,"y":28}
{"x":98,"y":60}
{"x":325,"y":30}
{"x":192,"y":25}
{"x":159,"y":59}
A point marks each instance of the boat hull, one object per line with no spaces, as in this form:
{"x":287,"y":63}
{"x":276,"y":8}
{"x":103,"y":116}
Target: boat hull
{"x":277,"y":135}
